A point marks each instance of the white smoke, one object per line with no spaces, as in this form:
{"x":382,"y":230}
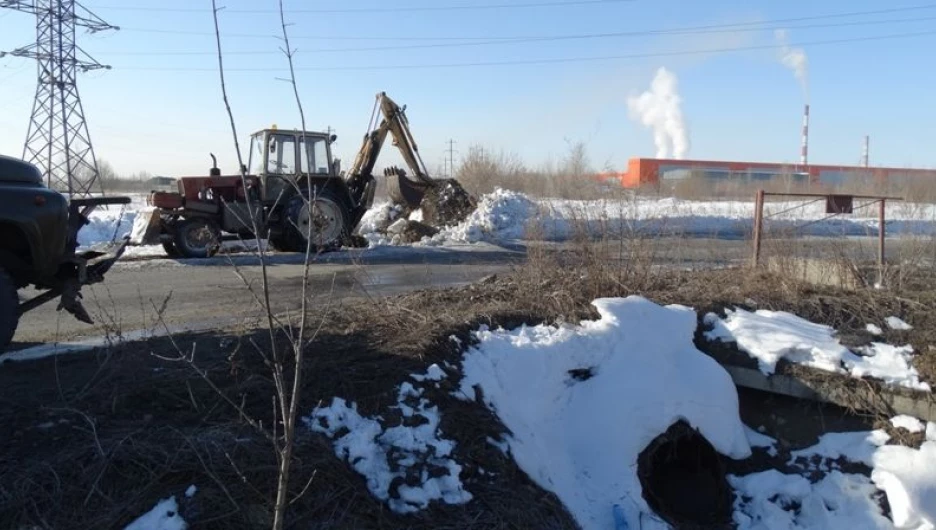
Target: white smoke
{"x":659,"y":109}
{"x":794,"y":59}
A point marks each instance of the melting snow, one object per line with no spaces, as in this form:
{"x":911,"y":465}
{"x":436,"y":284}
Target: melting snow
{"x":433,"y":373}
{"x":383,"y":455}
{"x":767,"y":500}
{"x":907,"y":422}
{"x":164,"y":516}
{"x":769,"y":336}
{"x":874,"y":330}
{"x":896,"y":323}
{"x":581,"y":438}
{"x":907,"y":477}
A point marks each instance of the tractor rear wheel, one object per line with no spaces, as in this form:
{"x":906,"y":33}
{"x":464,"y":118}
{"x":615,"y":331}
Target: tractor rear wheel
{"x":324,"y":217}
{"x":197,"y":237}
{"x":9,"y":309}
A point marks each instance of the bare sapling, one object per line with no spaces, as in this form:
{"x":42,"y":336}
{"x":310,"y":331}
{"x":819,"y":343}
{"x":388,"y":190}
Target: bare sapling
{"x":287,"y":393}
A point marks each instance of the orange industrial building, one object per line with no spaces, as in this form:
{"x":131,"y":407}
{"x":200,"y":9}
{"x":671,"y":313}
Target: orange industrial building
{"x":652,"y":172}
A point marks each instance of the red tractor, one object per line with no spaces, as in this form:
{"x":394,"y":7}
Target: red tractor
{"x":291,"y":191}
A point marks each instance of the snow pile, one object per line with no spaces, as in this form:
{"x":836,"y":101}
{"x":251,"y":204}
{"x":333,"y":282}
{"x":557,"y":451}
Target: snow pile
{"x":500,"y":215}
{"x":163,"y":516}
{"x":107,"y":225}
{"x":583,"y":401}
{"x":412,"y":451}
{"x":374,"y":223}
{"x":769,"y":336}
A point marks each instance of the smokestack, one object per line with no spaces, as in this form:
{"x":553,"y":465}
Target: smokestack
{"x":864,"y":151}
{"x":804,"y":158}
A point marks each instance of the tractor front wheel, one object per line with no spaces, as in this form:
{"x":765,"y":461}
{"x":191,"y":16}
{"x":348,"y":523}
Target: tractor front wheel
{"x":197,"y":237}
{"x":9,"y":309}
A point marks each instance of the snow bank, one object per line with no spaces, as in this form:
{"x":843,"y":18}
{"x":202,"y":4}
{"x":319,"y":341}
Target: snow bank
{"x":579,"y":436}
{"x":505,"y":215}
{"x":383,"y":455}
{"x":164,"y":516}
{"x":769,"y":336}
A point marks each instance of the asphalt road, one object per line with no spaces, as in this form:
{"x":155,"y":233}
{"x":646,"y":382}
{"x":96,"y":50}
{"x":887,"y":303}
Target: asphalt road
{"x":202,"y":294}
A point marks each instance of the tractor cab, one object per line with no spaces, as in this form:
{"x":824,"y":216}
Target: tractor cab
{"x":281,"y":156}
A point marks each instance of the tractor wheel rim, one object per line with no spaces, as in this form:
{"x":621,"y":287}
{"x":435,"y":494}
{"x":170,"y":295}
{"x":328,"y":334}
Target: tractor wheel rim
{"x":326,"y":221}
{"x":198,"y":236}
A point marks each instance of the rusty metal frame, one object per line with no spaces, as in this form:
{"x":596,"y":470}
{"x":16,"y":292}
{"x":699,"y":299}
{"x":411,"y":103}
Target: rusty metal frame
{"x":830,"y":198}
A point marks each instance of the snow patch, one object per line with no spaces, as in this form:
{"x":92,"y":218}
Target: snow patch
{"x":580,"y":437}
{"x":756,"y":439}
{"x":909,"y":423}
{"x":433,"y":373}
{"x":190,"y":492}
{"x":766,"y":500}
{"x":163,"y":516}
{"x":383,"y":455}
{"x":874,"y":330}
{"x":896,"y":323}
{"x":769,"y":336}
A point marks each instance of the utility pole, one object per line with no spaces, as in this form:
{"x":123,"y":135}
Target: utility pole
{"x":451,"y":157}
{"x":57,"y":140}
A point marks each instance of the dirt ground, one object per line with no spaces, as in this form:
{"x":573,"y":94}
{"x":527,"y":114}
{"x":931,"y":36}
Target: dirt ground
{"x":93,"y":440}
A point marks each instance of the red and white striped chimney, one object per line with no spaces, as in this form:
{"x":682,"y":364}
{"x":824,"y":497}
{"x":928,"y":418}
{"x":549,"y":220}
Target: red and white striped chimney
{"x":804,"y":150}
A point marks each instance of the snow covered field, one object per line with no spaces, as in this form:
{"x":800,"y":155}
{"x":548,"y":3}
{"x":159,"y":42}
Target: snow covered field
{"x":505,"y":215}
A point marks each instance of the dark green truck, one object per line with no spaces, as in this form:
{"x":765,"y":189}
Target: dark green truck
{"x":39,"y":246}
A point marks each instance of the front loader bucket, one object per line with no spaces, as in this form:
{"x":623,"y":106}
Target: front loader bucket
{"x":147,"y":226}
{"x":403,"y":190}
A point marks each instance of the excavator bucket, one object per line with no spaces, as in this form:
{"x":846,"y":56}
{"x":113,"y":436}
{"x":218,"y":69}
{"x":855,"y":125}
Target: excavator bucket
{"x":403,"y":190}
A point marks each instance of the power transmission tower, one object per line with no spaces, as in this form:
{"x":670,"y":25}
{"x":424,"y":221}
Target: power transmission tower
{"x":451,"y":157}
{"x":57,"y":140}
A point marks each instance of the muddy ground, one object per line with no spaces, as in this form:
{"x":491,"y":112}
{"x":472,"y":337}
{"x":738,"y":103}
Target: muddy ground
{"x":93,"y":440}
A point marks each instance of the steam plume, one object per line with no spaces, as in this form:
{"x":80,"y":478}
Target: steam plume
{"x":794,"y":59}
{"x":659,"y":109}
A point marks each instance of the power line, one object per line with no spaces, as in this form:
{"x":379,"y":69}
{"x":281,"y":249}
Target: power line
{"x":586,"y":36}
{"x":516,"y":37}
{"x":553,"y":60}
{"x":360,"y":10}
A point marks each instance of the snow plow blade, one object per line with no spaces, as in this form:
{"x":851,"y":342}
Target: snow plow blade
{"x":403,"y":190}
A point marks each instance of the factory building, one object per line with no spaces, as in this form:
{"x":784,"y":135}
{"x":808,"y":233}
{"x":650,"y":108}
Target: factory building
{"x":656,"y":173}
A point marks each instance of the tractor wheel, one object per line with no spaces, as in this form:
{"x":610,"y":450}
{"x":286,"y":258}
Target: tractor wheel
{"x":328,"y":221}
{"x":197,"y":237}
{"x":9,"y":309}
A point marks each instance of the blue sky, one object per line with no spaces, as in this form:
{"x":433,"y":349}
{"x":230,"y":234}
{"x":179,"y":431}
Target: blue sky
{"x":159,"y":108}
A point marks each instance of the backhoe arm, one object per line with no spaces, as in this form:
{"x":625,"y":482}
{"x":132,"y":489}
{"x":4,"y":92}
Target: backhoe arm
{"x":395,"y":123}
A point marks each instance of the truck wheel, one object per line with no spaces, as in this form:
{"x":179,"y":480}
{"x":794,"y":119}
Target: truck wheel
{"x":328,"y":220}
{"x":9,"y":309}
{"x":196,"y":237}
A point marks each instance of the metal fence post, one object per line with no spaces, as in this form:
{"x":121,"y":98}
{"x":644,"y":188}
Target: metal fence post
{"x":881,"y":236}
{"x":758,"y":226}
